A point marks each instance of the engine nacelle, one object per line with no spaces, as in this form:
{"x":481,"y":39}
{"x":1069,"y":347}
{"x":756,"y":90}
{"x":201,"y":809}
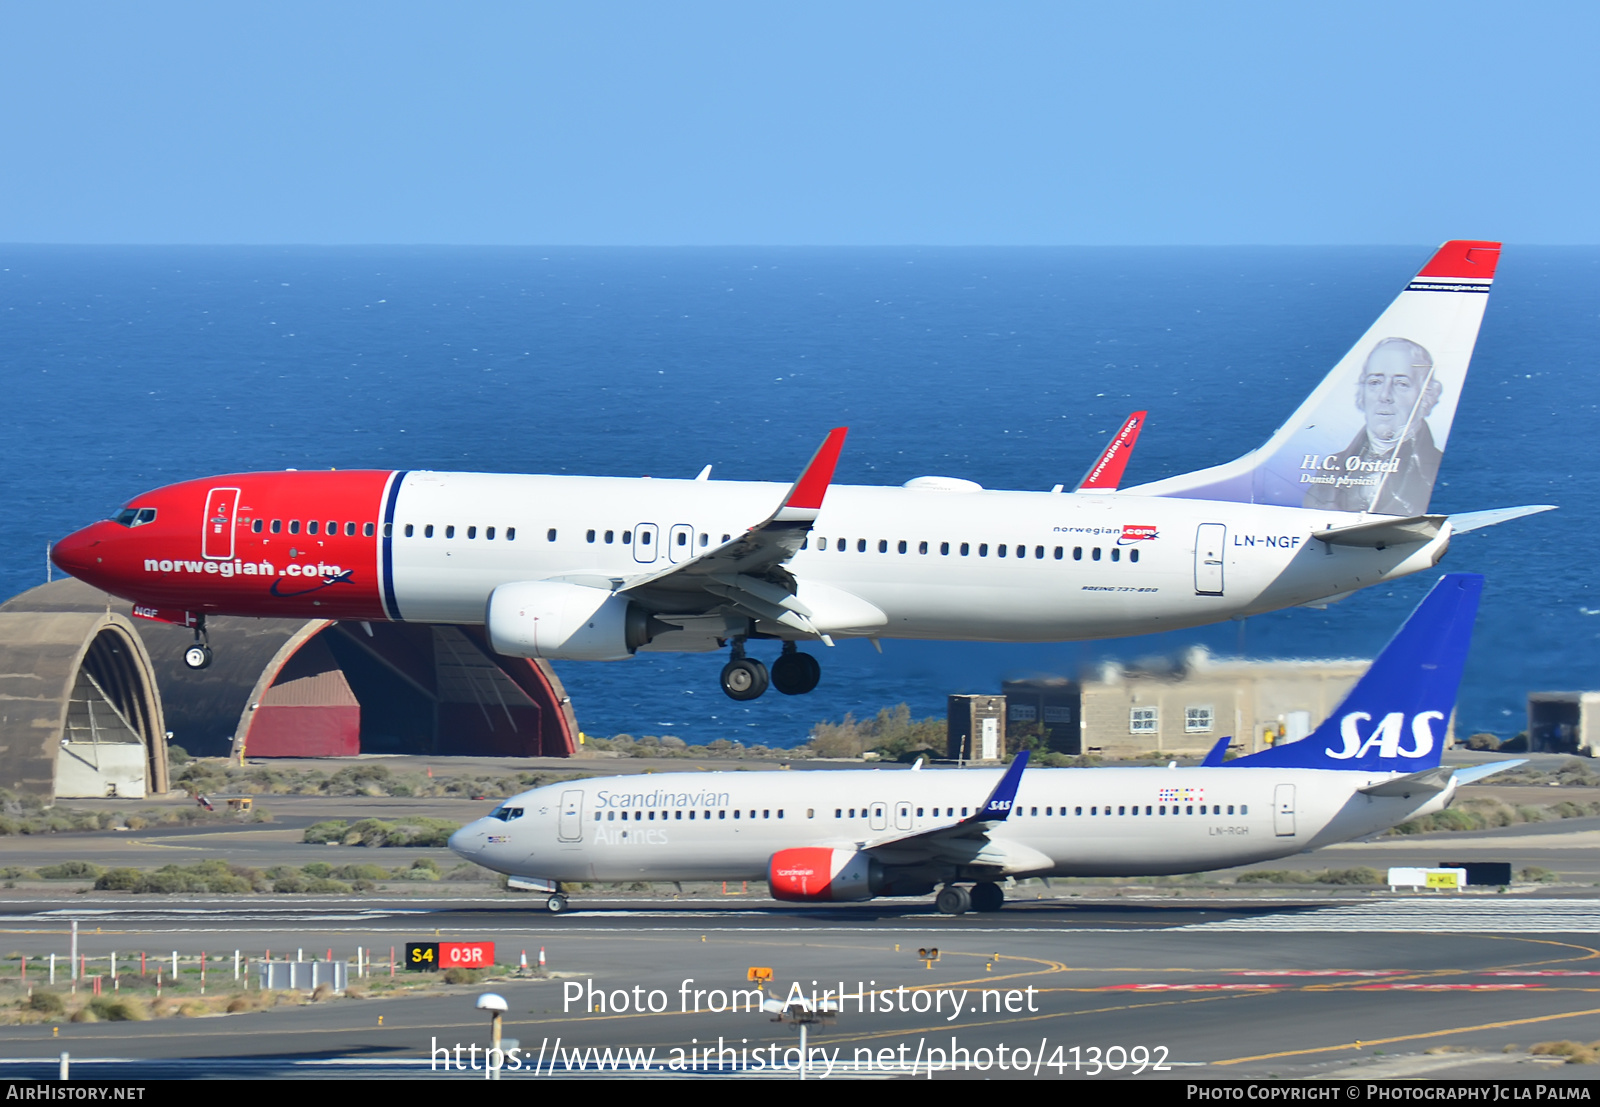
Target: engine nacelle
{"x":559,"y":621}
{"x":817,"y":874}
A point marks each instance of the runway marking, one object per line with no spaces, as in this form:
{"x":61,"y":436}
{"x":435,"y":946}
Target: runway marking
{"x":1433,"y":915}
{"x":1410,"y":1037}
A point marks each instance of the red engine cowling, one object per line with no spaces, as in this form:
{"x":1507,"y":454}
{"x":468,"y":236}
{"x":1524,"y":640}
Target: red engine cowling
{"x":817,"y":874}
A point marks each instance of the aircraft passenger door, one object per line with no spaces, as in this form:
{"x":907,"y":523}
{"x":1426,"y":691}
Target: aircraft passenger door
{"x":1283,"y":811}
{"x":902,"y":816}
{"x":645,"y":537}
{"x":1209,"y":543}
{"x":878,"y":816}
{"x":571,"y":825}
{"x":680,"y":543}
{"x":216,"y":536}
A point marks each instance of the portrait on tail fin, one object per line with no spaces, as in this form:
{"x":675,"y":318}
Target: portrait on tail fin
{"x":1391,"y":464}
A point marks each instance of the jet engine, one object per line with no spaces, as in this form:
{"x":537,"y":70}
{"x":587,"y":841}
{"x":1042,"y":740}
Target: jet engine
{"x":560,"y":621}
{"x":817,"y":874}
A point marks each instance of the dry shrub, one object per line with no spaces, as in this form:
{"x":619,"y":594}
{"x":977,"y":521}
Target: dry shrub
{"x":84,"y":1014}
{"x":355,"y":991}
{"x":1576,"y":1053}
{"x":323,"y":992}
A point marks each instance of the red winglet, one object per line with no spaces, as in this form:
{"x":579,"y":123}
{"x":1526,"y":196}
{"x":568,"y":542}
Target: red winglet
{"x":1463,"y":259}
{"x":813,"y":484}
{"x":1106,"y":473}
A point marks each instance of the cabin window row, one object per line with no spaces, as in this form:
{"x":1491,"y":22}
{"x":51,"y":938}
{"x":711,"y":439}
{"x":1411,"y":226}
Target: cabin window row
{"x":470,"y":532}
{"x":314,"y":526}
{"x":679,"y":538}
{"x":678,"y":815}
{"x":964,"y":549}
{"x":1154,"y":809}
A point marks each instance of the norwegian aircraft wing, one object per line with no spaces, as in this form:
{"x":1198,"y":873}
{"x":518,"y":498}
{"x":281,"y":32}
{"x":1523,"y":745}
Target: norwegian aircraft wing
{"x":747,"y":573}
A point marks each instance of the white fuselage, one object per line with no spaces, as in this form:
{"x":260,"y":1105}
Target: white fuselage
{"x":1086,"y":822}
{"x":890,"y":562}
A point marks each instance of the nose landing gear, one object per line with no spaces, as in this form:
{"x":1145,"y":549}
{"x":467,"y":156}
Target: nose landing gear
{"x":198,"y":656}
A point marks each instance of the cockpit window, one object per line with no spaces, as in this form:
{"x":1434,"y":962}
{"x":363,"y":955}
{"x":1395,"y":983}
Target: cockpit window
{"x":136,"y":516}
{"x":506,"y":814}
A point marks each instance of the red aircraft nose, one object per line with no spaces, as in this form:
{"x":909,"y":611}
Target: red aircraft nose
{"x":81,"y":552}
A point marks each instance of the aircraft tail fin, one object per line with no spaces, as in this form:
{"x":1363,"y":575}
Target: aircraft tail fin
{"x":1371,"y":436}
{"x":1395,"y":717}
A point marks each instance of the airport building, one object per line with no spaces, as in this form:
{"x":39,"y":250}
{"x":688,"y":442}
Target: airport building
{"x":1564,"y":722}
{"x":91,"y":696}
{"x":1181,"y":707}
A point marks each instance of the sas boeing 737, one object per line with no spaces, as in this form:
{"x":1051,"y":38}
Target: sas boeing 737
{"x":599,"y":568}
{"x":850,"y":835}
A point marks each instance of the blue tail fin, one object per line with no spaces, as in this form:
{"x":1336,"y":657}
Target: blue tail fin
{"x":1394,"y":719}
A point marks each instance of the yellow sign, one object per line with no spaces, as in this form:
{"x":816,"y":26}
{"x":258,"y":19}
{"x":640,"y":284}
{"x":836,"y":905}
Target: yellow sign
{"x":1443,"y":880}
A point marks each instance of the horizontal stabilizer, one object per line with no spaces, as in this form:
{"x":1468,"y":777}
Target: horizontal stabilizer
{"x":1426,"y":783}
{"x":1383,"y":533}
{"x":1470,"y":773}
{"x":1476,"y":520}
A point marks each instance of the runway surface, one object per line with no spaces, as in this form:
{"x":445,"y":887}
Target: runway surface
{"x":1080,"y":989}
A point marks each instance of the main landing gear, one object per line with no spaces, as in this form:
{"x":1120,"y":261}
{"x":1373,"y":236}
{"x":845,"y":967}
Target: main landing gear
{"x":556,"y":904}
{"x":956,"y":900}
{"x":793,"y":674}
{"x":198,"y":656}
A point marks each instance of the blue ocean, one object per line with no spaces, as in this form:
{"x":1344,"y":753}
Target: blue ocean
{"x":130,"y":368}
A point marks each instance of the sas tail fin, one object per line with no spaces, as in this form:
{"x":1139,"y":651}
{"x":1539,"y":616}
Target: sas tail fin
{"x":1372,"y":434}
{"x":1394,"y":719}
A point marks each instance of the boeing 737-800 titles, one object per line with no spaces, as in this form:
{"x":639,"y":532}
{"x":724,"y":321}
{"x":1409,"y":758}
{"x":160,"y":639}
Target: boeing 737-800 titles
{"x":599,"y":568}
{"x":843,"y":835}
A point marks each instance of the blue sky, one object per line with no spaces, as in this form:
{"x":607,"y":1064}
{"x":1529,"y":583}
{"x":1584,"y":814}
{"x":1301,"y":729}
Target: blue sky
{"x":813,"y":124}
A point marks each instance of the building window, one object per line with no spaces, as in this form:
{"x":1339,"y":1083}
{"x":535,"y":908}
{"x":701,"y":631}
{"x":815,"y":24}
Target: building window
{"x":1198,"y":720}
{"x":1142,"y":720}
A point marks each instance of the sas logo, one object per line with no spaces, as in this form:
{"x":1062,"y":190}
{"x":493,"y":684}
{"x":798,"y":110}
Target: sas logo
{"x":1386,"y":736}
{"x":1132,"y":534}
{"x":1181,"y":795}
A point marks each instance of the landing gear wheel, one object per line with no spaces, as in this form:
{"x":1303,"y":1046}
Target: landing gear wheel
{"x":556,"y":904}
{"x":745,"y":678}
{"x":987,"y":897}
{"x":953,"y":900}
{"x":795,"y":674}
{"x":197,"y":656}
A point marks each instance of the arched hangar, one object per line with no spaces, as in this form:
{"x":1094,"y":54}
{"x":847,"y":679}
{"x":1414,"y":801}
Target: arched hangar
{"x":297,"y":688}
{"x":80,"y":714}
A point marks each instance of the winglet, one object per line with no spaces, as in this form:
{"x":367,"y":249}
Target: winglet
{"x":1106,"y":473}
{"x":805,"y":498}
{"x":1218,"y":754}
{"x":998,"y":805}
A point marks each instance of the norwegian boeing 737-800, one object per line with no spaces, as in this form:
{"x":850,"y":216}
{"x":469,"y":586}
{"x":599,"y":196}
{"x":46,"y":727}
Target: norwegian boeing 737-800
{"x":849,"y":835}
{"x":598,"y":568}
